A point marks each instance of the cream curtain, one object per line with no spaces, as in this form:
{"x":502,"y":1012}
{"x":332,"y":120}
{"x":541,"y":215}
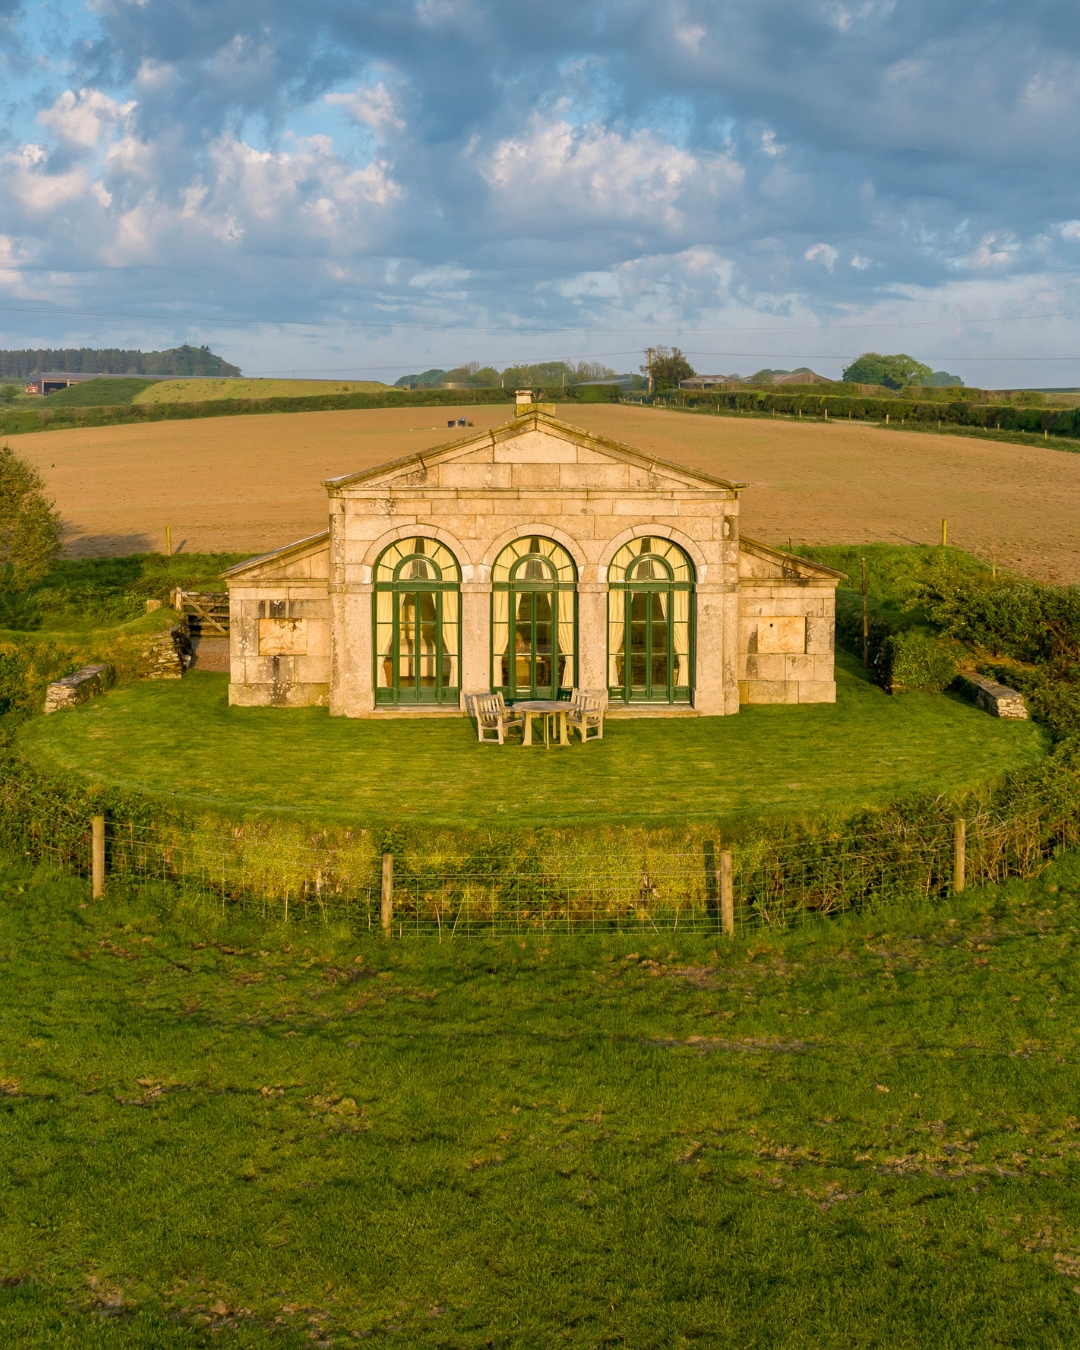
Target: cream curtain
{"x":450,"y":640}
{"x":681,"y":638}
{"x":500,"y":637}
{"x":616,"y":637}
{"x":567,"y":664}
{"x":384,"y":638}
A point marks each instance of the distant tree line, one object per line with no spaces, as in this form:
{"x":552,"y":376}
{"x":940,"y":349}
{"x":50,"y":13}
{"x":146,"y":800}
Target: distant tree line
{"x":183,"y":360}
{"x":543,"y":375}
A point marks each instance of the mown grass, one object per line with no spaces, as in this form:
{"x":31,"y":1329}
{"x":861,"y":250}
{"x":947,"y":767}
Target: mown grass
{"x":184,"y":740}
{"x":218,"y":1131}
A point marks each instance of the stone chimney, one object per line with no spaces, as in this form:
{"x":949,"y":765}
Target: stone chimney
{"x":522,"y":396}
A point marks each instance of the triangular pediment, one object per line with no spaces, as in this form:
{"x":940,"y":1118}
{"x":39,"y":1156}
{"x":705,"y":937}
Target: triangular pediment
{"x":306,"y":559}
{"x":535,"y":437}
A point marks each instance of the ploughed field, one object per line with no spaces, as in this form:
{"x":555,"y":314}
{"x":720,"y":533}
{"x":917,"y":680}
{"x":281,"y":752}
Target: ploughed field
{"x":220,"y":1131}
{"x":182,"y":739}
{"x":254,"y":483}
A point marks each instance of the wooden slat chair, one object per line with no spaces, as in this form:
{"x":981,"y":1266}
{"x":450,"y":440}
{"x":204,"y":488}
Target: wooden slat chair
{"x":587,"y":714}
{"x":494,"y":718}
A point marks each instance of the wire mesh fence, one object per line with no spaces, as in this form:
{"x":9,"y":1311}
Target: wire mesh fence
{"x":774,"y":881}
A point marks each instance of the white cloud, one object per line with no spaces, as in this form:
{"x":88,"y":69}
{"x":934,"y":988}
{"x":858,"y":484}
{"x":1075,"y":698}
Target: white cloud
{"x":39,"y":191}
{"x":993,"y":251}
{"x":690,"y":36}
{"x":373,"y":106}
{"x":79,"y":119}
{"x":566,"y":172}
{"x":822,"y":253}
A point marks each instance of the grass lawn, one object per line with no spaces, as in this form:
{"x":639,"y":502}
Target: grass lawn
{"x":219,"y":1132}
{"x":184,"y":740}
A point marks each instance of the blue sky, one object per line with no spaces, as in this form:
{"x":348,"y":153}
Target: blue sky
{"x":372,"y":188}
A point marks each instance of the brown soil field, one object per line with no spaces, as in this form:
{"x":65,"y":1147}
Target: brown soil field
{"x":253,"y":482}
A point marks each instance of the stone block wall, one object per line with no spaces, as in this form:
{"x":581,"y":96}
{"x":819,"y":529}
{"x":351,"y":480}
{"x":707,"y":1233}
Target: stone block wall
{"x":786,"y":636}
{"x":279,"y":652}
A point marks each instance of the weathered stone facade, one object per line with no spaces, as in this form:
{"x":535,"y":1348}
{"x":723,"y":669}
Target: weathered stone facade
{"x":305,"y":626}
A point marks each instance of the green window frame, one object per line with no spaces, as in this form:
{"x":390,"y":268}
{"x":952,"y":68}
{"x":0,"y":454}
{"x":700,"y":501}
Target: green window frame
{"x":651,"y":622}
{"x":417,"y":624}
{"x":533,"y":620}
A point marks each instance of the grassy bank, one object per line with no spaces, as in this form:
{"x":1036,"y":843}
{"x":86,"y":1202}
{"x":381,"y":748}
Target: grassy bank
{"x":222,"y":1132}
{"x":188,"y":391}
{"x":184,"y":741}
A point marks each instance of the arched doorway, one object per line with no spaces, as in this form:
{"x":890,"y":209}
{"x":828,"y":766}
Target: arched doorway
{"x":417,"y":624}
{"x":650,"y":623}
{"x":533,"y":620}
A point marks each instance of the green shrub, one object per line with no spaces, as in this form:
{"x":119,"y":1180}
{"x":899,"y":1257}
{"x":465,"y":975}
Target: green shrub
{"x":1006,"y":616}
{"x":915,"y":661}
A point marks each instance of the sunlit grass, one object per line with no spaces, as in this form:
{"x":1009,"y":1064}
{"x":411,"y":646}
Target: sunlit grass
{"x":184,"y":740}
{"x":217,"y":1131}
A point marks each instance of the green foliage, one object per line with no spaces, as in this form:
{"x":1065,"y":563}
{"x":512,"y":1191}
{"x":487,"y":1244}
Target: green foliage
{"x":891,"y":371}
{"x":895,"y":573}
{"x":97,"y":394}
{"x":30,"y":527}
{"x":666,"y":367}
{"x":916,"y":661}
{"x":82,"y":594}
{"x":607,"y":1141}
{"x":9,"y":393}
{"x":1009,"y":616}
{"x":175,"y":361}
{"x":943,"y":379}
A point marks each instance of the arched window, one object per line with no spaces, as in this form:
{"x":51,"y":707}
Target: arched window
{"x":533,"y":620}
{"x":650,"y":623}
{"x":417,"y":623}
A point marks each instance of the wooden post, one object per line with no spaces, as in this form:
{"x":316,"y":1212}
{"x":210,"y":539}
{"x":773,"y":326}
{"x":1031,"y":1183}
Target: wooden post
{"x":727,"y":895}
{"x":959,"y":855}
{"x":97,"y":851}
{"x":387,"y":908}
{"x":168,"y":541}
{"x":944,"y":533}
{"x":993,"y":567}
{"x":865,"y":620}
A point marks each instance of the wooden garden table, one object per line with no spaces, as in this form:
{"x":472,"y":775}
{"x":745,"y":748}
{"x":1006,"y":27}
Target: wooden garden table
{"x":552,"y":711}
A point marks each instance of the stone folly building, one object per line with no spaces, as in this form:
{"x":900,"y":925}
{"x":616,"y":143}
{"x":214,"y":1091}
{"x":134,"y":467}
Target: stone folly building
{"x":531,"y":559}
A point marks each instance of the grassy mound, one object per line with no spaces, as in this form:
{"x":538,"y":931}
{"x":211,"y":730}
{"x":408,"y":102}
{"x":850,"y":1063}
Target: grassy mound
{"x":221,"y":1131}
{"x":87,"y":594}
{"x":184,"y":741}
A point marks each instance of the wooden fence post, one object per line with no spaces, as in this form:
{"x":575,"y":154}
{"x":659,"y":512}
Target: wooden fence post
{"x":727,"y":894}
{"x":959,"y":855}
{"x":168,"y":541}
{"x":944,"y":533}
{"x":865,"y":620}
{"x":387,"y":908}
{"x":97,"y":851}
